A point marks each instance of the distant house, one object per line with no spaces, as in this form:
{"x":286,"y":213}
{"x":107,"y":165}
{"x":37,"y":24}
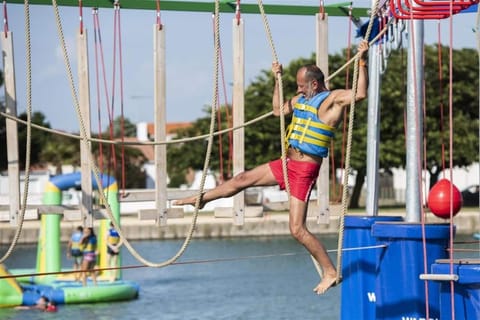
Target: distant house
{"x":146,"y":132}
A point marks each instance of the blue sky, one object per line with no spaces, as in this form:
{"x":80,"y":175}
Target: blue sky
{"x":189,"y":54}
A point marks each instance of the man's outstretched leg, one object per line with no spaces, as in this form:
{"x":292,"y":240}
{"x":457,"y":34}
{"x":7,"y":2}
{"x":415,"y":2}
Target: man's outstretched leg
{"x":259,"y":176}
{"x":298,"y":229}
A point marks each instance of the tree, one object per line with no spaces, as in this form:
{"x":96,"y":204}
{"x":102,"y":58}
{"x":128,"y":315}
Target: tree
{"x":393,"y":101}
{"x":39,"y":139}
{"x":122,"y":127}
{"x":60,"y":150}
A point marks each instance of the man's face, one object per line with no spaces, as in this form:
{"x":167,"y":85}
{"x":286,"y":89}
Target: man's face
{"x":305,"y":87}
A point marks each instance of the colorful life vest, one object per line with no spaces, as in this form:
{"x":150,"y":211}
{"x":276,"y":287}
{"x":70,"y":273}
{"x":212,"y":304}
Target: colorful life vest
{"x":91,"y":245}
{"x":76,"y":237}
{"x":307,"y":132}
{"x":113,"y":236}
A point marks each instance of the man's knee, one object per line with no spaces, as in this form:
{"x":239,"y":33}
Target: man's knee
{"x":298,"y":232}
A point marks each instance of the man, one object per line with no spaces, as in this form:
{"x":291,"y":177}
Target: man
{"x":316,"y":113}
{"x":74,"y":250}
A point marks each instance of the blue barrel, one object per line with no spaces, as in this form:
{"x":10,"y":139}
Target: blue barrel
{"x":400,"y":292}
{"x":359,"y":267}
{"x":466,"y":291}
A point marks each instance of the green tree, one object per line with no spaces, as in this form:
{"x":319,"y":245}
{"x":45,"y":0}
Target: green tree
{"x":393,"y":102}
{"x":39,"y":139}
{"x":122,"y":127}
{"x":60,"y":150}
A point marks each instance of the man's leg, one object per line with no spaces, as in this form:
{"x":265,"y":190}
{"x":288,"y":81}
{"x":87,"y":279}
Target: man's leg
{"x":298,"y":229}
{"x":259,"y":176}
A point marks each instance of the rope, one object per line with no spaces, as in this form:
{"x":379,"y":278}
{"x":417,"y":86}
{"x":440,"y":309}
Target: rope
{"x":135,"y":143}
{"x":118,"y":32}
{"x":158,"y":16}
{"x":80,"y":16}
{"x":95,"y":169}
{"x":349,"y":147}
{"x":187,"y":262}
{"x":5,"y":18}
{"x":450,"y":99}
{"x":28,"y":58}
{"x":280,"y":94}
{"x":344,"y":125}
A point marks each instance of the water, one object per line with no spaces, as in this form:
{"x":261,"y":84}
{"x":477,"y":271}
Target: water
{"x":270,"y":287}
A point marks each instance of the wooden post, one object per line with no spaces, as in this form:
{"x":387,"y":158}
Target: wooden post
{"x":322,"y":208}
{"x":11,"y":127}
{"x":238,"y":115}
{"x":160,"y":123}
{"x":86,"y":208}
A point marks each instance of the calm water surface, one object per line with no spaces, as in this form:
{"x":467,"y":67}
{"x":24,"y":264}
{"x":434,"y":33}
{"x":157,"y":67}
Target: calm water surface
{"x":276,"y":286}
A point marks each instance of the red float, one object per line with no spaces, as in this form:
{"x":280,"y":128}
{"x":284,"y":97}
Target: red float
{"x":439,"y":199}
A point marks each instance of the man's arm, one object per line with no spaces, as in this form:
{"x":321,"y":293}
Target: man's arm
{"x":362,"y":82}
{"x":344,"y":97}
{"x":287,"y":105}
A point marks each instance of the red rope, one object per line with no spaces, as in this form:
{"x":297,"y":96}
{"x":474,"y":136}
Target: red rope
{"x":159,"y":18}
{"x":321,"y":9}
{"x":5,"y":18}
{"x":440,"y":89}
{"x":450,"y":98}
{"x":114,"y":70}
{"x":423,"y":221}
{"x":219,"y":122}
{"x":80,"y":15}
{"x":97,"y":40}
{"x":99,"y":47}
{"x":237,"y":12}
{"x":228,"y":119}
{"x":118,"y":31}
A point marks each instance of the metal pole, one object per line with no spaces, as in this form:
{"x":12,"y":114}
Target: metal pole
{"x":414,"y":120}
{"x":373,"y":130}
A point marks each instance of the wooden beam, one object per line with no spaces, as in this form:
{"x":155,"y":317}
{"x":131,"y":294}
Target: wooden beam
{"x":238,"y":115}
{"x":322,"y":208}
{"x":11,"y":126}
{"x":160,"y":114}
{"x":85,"y":147}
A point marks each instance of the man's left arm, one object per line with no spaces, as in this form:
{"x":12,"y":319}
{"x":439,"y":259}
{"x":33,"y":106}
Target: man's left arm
{"x":362,"y":83}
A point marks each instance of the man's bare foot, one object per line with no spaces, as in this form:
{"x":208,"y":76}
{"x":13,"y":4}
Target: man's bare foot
{"x":190,"y":201}
{"x":327,"y":282}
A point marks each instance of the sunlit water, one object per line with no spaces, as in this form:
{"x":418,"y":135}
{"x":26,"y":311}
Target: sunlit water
{"x":272,"y":278}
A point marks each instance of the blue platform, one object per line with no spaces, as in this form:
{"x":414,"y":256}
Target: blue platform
{"x":399,"y":291}
{"x":466,"y":291}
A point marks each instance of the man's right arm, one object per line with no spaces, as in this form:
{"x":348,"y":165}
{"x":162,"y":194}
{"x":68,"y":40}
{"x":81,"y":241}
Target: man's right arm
{"x":287,"y":105}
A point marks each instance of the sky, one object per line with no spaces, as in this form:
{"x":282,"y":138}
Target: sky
{"x":189,"y":56}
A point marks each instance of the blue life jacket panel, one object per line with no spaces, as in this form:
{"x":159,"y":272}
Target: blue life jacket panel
{"x":307,"y":132}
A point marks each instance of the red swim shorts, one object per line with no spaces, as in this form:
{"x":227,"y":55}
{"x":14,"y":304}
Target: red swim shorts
{"x":302,"y":176}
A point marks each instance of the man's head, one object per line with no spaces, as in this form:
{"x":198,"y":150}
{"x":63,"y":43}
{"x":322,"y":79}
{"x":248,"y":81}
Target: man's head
{"x":310,"y":80}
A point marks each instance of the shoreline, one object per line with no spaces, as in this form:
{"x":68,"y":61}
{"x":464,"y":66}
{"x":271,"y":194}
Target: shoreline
{"x":270,"y":223}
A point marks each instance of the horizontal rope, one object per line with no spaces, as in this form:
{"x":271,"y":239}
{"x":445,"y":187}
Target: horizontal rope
{"x":186,"y":262}
{"x":134,"y":143}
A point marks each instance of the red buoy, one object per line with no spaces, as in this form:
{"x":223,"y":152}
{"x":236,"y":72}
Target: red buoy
{"x":439,"y":199}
